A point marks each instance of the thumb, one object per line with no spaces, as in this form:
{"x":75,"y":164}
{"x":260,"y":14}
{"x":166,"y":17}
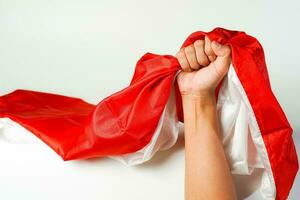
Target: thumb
{"x":223,"y":53}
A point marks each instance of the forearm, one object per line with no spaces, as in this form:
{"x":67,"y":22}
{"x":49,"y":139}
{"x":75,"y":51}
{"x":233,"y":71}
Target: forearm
{"x":207,"y":172}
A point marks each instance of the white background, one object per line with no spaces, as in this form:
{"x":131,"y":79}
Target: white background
{"x":88,"y":49}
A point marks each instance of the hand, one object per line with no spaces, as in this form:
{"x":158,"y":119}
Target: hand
{"x":204,"y":64}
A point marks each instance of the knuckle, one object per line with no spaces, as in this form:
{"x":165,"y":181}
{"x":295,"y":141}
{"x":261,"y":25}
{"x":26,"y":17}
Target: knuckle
{"x":189,"y":50}
{"x":207,"y":40}
{"x":203,"y":60}
{"x":207,"y":48}
{"x":208,"y":51}
{"x":227,"y":49}
{"x":179,"y":54}
{"x":199,"y":43}
{"x":195,"y":66}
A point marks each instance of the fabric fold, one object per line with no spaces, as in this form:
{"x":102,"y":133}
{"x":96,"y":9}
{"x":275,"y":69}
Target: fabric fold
{"x":133,"y":124}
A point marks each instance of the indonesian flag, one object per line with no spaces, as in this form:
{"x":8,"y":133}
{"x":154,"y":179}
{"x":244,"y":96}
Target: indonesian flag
{"x":134,"y":123}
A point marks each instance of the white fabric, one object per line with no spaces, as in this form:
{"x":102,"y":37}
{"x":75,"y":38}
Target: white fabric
{"x":242,"y":140}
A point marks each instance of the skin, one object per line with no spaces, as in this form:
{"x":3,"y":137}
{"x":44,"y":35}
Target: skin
{"x":207,"y":172}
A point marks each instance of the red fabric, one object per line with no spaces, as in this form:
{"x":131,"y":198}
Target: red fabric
{"x":77,"y":130}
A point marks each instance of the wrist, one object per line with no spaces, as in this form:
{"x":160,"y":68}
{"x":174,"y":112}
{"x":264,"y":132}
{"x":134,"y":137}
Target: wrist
{"x":198,"y":106}
{"x":205,"y":99}
{"x":199,"y":110}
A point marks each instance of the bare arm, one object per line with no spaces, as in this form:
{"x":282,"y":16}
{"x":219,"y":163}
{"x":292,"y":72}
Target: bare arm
{"x":207,"y":173}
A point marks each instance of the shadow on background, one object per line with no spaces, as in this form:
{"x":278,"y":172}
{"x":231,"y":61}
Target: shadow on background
{"x":162,"y":157}
{"x":157,"y":160}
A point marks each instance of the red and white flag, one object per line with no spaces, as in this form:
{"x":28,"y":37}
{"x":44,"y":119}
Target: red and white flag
{"x":134,"y":123}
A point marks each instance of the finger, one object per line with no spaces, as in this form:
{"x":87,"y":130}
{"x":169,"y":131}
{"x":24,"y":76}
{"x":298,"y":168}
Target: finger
{"x":223,"y":59}
{"x":183,"y":61}
{"x":208,"y":49}
{"x":200,"y":54}
{"x":190,"y":54}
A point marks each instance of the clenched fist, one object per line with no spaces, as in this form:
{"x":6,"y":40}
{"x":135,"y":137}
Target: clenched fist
{"x":204,"y":64}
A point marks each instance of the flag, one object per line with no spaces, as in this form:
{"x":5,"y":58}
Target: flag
{"x":133,"y":124}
